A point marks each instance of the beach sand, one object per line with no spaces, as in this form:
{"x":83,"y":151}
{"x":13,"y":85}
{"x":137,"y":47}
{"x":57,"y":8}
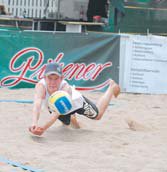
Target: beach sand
{"x":131,"y":137}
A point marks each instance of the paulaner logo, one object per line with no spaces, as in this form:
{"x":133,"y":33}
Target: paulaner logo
{"x":30,"y":68}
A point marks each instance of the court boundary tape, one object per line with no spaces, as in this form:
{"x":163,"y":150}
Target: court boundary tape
{"x":30,"y":101}
{"x":17,"y":101}
{"x":16,"y":164}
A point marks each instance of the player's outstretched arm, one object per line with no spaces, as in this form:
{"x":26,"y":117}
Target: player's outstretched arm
{"x":50,"y":122}
{"x":38,"y":97}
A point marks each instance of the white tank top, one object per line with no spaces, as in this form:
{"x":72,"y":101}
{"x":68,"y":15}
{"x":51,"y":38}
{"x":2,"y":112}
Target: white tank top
{"x":77,"y":98}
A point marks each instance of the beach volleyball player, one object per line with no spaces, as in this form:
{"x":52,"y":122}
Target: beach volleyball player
{"x":52,"y":85}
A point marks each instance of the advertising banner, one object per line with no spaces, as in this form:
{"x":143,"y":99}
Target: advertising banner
{"x":145,"y":64}
{"x":89,"y":60}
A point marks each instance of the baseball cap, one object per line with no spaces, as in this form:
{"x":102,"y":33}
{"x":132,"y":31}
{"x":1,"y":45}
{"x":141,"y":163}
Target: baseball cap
{"x":53,"y":68}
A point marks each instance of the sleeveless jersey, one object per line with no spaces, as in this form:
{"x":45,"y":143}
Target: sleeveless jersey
{"x":77,"y":98}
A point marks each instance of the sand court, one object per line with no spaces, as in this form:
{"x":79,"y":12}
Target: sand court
{"x":132,"y":136}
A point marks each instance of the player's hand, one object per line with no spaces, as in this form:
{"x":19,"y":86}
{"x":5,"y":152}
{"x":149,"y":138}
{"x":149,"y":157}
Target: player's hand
{"x":36,"y":130}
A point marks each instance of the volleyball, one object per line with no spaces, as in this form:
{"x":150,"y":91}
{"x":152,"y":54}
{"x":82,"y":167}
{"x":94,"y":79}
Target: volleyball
{"x":60,"y":102}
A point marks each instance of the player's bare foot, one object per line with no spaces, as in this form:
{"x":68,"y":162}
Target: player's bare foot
{"x":115,"y":88}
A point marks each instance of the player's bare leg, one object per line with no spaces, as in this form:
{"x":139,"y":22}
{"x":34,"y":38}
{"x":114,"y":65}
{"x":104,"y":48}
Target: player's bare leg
{"x":74,"y":123}
{"x":112,"y":91}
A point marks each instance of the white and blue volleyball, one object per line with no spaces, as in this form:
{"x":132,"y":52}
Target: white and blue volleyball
{"x":60,"y":102}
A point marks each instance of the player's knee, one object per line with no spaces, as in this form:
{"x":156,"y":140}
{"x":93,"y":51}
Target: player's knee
{"x":98,"y":117}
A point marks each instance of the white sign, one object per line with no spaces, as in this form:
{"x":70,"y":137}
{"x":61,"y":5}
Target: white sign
{"x":145,"y":64}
